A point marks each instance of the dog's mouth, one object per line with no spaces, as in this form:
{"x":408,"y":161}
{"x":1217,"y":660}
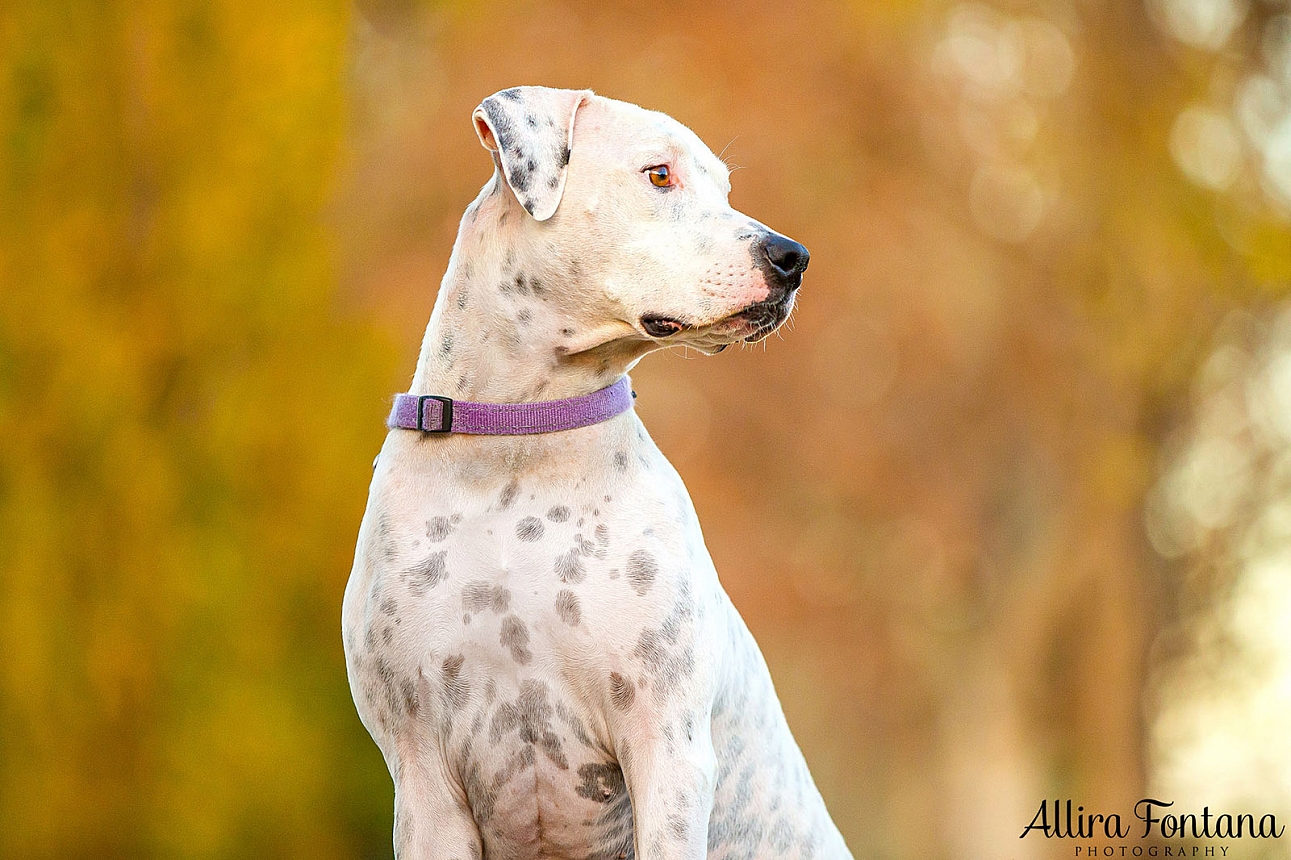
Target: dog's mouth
{"x":657,"y":326}
{"x":763,"y":318}
{"x":750,"y":325}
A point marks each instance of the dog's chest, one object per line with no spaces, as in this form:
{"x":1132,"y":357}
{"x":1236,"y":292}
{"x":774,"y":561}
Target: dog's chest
{"x":583,"y":582}
{"x":523,"y":588}
{"x":524,"y":629}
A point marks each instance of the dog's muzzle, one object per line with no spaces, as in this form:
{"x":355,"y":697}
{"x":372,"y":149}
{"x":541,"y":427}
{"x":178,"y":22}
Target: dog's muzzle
{"x":782,"y":262}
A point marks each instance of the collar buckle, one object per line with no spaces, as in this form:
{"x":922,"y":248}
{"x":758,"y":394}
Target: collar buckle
{"x":445,"y":414}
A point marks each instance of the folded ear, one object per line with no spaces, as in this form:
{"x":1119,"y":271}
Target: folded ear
{"x":531,"y":129}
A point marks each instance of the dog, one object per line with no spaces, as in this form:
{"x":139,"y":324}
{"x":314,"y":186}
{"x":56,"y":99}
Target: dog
{"x":534,"y":631}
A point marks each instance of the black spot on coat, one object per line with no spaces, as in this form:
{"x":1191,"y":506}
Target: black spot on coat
{"x":480,"y":595}
{"x":531,"y":716}
{"x":438,"y":528}
{"x":622,"y":691}
{"x":642,"y":570}
{"x":567,"y":607}
{"x":426,"y":575}
{"x":508,"y":497}
{"x":515,"y":638}
{"x":457,"y":690}
{"x":600,"y":782}
{"x":569,"y":567}
{"x":529,"y":529}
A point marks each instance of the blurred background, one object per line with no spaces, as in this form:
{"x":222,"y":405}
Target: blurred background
{"x":1028,"y":535}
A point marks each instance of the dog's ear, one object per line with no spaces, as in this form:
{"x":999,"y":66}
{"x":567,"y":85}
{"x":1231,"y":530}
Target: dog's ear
{"x":531,"y":130}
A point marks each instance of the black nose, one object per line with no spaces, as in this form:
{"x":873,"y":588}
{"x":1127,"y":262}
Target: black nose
{"x":787,"y":257}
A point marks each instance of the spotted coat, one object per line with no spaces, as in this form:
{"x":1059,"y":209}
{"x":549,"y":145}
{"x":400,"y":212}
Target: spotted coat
{"x":535,"y":634}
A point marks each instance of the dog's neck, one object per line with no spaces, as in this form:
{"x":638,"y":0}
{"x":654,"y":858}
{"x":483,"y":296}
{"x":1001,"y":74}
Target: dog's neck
{"x":499,"y":331}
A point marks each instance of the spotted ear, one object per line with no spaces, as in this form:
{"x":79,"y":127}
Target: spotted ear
{"x":531,"y":129}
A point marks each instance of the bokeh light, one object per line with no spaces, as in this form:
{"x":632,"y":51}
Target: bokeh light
{"x":1224,"y":505}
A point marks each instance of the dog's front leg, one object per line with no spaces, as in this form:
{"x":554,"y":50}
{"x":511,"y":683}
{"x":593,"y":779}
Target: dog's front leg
{"x":432,"y":818}
{"x":670,"y":780}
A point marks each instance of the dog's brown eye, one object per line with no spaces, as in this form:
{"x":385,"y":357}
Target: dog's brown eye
{"x":660,"y":176}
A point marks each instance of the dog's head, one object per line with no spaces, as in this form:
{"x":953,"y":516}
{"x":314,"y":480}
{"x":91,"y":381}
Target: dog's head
{"x":627,"y":225}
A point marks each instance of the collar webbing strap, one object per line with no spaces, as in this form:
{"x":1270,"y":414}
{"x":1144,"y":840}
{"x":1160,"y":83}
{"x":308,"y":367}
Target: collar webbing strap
{"x":430,"y":413}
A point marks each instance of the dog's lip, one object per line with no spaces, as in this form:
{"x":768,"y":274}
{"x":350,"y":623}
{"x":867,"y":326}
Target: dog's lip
{"x":760,"y":319}
{"x":660,"y":326}
{"x":750,"y":324}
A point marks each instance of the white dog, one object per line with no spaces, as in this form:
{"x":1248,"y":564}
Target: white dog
{"x":535,"y":634}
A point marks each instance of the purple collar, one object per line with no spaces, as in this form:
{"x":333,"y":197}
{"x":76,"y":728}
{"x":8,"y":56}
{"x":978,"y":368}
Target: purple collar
{"x":430,"y":413}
